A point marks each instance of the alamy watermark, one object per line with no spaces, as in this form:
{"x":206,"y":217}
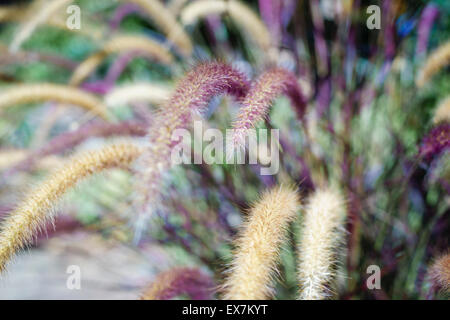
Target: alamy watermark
{"x":219,"y":150}
{"x":74,"y":279}
{"x":73,"y":21}
{"x":374,"y":280}
{"x":374,"y":20}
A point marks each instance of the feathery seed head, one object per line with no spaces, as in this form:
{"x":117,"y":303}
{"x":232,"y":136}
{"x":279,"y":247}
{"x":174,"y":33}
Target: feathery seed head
{"x":442,"y":112}
{"x":258,"y":245}
{"x":440,"y":272}
{"x":435,"y":62}
{"x":321,"y":236}
{"x":73,"y":138}
{"x":27,"y":93}
{"x":32,"y":214}
{"x":191,"y":96}
{"x":266,"y":88}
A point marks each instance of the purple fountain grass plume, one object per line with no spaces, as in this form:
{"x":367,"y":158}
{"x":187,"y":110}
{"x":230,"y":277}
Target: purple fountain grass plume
{"x":271,"y":14}
{"x":191,"y":96}
{"x":177,"y":281}
{"x":71,"y":139}
{"x":263,"y":92}
{"x":323,"y":96}
{"x":389,"y":29}
{"x":114,"y":72}
{"x":439,"y":273}
{"x":427,"y":19}
{"x":287,"y":10}
{"x":319,"y":39}
{"x":436,"y":141}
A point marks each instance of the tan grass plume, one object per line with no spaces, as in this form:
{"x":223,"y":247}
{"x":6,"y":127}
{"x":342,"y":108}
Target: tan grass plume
{"x":28,"y":93}
{"x":45,"y":11}
{"x":32,"y":214}
{"x":117,"y":44}
{"x":241,"y":14}
{"x":165,"y":19}
{"x":438,"y":59}
{"x":258,"y":245}
{"x":440,"y":272}
{"x":137,"y":92}
{"x":442,"y":112}
{"x":322,"y":234}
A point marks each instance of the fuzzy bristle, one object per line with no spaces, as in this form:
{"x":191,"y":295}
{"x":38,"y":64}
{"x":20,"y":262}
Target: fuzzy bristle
{"x":442,"y":112}
{"x":256,"y":104}
{"x":258,"y":245}
{"x":322,"y":234}
{"x":68,"y":140}
{"x":28,"y":93}
{"x":191,"y":96}
{"x":32,"y":214}
{"x":440,"y":272}
{"x":435,"y":62}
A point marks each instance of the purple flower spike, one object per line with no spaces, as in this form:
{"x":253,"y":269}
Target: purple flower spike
{"x":70,"y":139}
{"x":429,"y":15}
{"x":436,"y":141}
{"x":120,"y":13}
{"x":259,"y":99}
{"x":192,"y":95}
{"x":271,"y":14}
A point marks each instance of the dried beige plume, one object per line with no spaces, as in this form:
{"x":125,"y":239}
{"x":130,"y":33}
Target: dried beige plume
{"x":28,"y":93}
{"x":11,"y":13}
{"x":9,"y":158}
{"x":117,"y":44}
{"x":45,"y":11}
{"x":322,"y":234}
{"x":164,"y":19}
{"x":58,"y":19}
{"x":442,"y":112}
{"x":138,"y":92}
{"x":258,"y":245}
{"x":440,"y":272}
{"x":32,"y":214}
{"x":175,"y":6}
{"x":435,"y":62}
{"x":240,"y":13}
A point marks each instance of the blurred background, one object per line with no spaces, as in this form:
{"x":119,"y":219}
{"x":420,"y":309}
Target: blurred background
{"x":367,"y":119}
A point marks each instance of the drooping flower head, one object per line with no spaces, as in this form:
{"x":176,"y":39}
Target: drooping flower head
{"x":256,"y":104}
{"x":191,"y":96}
